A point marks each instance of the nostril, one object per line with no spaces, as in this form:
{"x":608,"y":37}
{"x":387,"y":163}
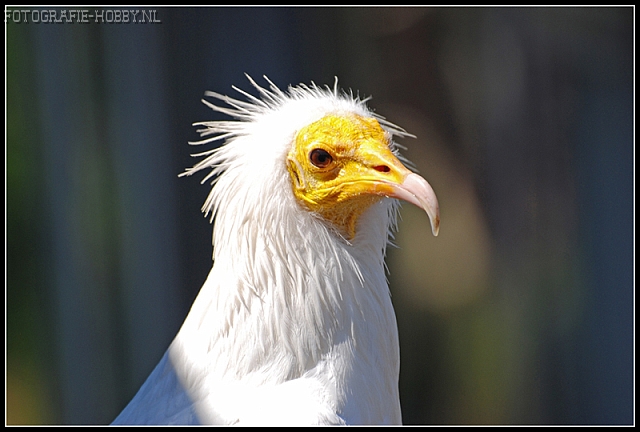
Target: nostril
{"x":382,"y":168}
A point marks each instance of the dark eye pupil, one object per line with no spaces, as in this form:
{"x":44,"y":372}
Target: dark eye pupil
{"x":320,"y":158}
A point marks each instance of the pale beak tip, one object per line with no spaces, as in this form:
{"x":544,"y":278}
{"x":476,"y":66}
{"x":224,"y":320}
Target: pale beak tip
{"x":419,"y":192}
{"x":435,"y":226}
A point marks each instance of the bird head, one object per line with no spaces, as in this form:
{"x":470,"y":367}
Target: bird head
{"x":340,"y":157}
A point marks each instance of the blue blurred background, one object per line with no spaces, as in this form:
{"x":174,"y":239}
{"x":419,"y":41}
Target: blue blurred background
{"x":521,"y":311}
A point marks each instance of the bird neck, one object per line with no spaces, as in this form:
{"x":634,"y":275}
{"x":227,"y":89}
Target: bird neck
{"x":286,"y":288}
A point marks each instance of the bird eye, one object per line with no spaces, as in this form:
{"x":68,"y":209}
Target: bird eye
{"x":320,"y":158}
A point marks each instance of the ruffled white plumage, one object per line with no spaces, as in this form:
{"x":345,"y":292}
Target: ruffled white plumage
{"x":294,"y":324}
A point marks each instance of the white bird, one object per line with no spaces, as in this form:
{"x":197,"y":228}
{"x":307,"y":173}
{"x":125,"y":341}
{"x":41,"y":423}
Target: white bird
{"x":294,"y":324}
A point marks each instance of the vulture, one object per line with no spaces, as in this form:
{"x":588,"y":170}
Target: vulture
{"x":294,"y":324}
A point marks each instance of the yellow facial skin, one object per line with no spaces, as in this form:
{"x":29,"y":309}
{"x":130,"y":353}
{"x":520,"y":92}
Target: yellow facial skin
{"x":342,"y":164}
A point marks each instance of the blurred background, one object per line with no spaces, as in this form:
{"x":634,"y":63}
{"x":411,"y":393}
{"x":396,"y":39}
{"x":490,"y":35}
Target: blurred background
{"x":520,"y":312}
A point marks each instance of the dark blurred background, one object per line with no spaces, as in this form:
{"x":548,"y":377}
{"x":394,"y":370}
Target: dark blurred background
{"x":521,"y":311}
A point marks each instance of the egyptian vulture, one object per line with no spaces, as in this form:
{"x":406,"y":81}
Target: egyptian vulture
{"x":294,"y":324}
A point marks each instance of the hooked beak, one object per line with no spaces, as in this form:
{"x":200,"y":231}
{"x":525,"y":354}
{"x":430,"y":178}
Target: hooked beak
{"x":417,"y":191}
